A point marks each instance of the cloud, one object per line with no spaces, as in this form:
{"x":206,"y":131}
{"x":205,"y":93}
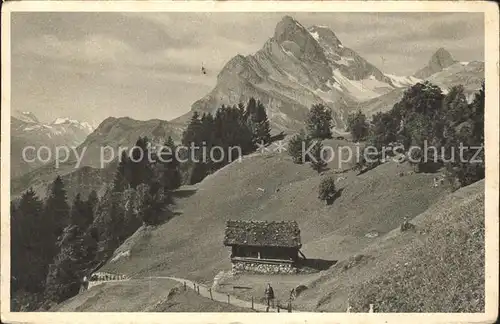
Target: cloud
{"x":90,"y":49}
{"x":142,"y":34}
{"x":101,"y":51}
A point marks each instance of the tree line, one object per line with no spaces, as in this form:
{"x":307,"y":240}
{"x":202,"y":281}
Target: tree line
{"x":239,"y":126}
{"x":437,"y":123}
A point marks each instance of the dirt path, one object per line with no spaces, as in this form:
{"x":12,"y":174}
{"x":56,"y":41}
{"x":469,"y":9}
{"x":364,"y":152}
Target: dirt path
{"x":205,"y":292}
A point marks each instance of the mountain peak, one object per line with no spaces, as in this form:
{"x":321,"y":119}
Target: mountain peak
{"x":288,"y":29}
{"x":442,"y":57}
{"x":440,"y":60}
{"x":67,"y":121}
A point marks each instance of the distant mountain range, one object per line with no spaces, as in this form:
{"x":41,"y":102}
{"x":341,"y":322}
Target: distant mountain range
{"x":88,"y":175}
{"x":27,"y":130}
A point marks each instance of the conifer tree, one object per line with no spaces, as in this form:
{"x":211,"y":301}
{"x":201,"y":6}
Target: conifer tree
{"x":64,"y":277}
{"x":140,"y":166}
{"x":57,"y":209}
{"x":242,"y":111}
{"x":31,"y":243}
{"x":262,"y":131}
{"x":319,"y":122}
{"x":122,"y":177}
{"x":191,"y":134}
{"x":318,"y":162}
{"x":78,"y":211}
{"x":251,"y":109}
{"x":91,"y":203}
{"x":358,"y":126}
{"x":297,"y":146}
{"x":171,"y":177}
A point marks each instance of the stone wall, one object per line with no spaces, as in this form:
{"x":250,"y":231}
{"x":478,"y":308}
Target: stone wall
{"x":267,"y":268}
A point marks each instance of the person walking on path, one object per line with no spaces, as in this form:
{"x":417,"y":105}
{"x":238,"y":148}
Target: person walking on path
{"x":85,"y":284}
{"x":269,"y":295}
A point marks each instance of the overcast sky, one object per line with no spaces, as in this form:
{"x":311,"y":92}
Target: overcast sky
{"x":90,"y":66}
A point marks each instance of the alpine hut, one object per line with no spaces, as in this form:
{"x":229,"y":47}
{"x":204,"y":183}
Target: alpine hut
{"x":263,"y":246}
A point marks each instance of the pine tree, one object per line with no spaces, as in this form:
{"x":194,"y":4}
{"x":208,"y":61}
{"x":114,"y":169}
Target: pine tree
{"x":154,"y":206}
{"x":140,"y":166}
{"x":318,"y":163}
{"x":297,"y":146}
{"x":262,"y":128}
{"x":64,"y":277}
{"x":251,"y":109}
{"x":242,"y":111}
{"x":191,"y":134}
{"x":31,"y":243}
{"x":477,"y":112}
{"x":319,"y":122}
{"x":171,"y":177}
{"x":57,"y":209}
{"x":122,"y":178}
{"x":358,"y":126}
{"x":92,"y":202}
{"x":78,"y":211}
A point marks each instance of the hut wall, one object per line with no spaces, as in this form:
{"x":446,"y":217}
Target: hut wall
{"x":239,"y":266}
{"x":263,"y":259}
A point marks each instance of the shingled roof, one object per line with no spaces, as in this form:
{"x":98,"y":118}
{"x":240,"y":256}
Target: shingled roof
{"x":262,"y":233}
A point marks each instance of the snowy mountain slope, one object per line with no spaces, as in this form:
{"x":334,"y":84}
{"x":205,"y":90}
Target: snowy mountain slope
{"x":27,"y":131}
{"x":449,"y":73}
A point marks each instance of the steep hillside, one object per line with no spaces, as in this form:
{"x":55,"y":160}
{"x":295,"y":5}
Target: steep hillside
{"x":296,"y":68}
{"x":190,"y":245}
{"x":439,"y":267}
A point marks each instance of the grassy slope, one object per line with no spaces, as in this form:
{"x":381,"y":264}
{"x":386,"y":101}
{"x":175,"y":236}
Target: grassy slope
{"x":141,"y":296}
{"x":190,"y":245}
{"x":438,"y":268}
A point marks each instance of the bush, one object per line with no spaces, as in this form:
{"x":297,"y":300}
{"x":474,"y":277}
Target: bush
{"x":327,"y":190}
